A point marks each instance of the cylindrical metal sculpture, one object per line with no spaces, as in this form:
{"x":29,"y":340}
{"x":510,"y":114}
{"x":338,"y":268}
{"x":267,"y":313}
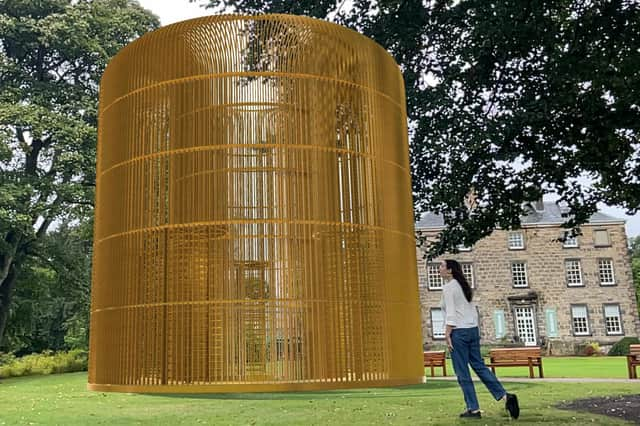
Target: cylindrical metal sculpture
{"x":254,"y":226}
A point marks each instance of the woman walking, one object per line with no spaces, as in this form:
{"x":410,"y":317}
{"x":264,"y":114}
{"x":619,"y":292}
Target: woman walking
{"x":463,"y":340}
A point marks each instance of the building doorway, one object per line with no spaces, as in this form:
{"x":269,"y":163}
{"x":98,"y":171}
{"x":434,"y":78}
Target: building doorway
{"x":526,"y":324}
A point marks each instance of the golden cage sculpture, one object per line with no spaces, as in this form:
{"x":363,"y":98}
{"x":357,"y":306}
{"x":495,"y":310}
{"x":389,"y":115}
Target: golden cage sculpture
{"x":253,"y":226}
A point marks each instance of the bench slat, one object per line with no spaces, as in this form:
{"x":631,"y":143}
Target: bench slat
{"x":435,"y":359}
{"x":516,"y":357}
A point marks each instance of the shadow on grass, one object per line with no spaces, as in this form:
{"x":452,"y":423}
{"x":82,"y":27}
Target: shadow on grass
{"x":409,"y":391}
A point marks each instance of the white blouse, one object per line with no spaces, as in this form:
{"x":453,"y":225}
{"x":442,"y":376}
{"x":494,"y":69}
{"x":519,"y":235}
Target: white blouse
{"x":455,"y":308}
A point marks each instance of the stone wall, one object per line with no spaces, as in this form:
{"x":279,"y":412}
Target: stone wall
{"x":547,"y":285}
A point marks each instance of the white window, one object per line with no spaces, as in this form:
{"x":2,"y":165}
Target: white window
{"x":612,"y":321}
{"x":601,"y":238}
{"x":437,"y":323}
{"x":462,"y":247}
{"x":570,"y":240}
{"x":605,"y":270}
{"x":580,"y":320}
{"x":574,"y":272}
{"x":467,"y":270}
{"x":516,"y":240}
{"x":434,"y":280}
{"x":519,"y":274}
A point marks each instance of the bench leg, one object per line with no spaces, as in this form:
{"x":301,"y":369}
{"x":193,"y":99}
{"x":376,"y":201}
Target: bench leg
{"x":433,"y":373}
{"x":444,"y":368}
{"x":530,"y":370}
{"x":540,"y":373}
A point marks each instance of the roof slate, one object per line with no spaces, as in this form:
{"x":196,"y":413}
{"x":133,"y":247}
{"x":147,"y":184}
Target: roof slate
{"x":552,"y":214}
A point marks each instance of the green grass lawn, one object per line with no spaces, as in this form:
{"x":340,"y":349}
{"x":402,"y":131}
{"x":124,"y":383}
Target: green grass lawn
{"x":63,"y":399}
{"x":595,"y":367}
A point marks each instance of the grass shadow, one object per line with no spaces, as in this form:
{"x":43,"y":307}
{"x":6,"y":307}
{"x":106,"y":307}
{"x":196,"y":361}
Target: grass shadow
{"x":407,"y":391}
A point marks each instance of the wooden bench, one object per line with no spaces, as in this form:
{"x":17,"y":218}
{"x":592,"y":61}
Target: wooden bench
{"x":633,"y":360}
{"x":435,"y":359}
{"x":516,"y":357}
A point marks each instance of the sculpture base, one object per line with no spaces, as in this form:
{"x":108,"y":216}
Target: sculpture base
{"x":253,"y":386}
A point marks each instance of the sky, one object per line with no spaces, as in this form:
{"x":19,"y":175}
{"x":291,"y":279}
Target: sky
{"x":170,"y":11}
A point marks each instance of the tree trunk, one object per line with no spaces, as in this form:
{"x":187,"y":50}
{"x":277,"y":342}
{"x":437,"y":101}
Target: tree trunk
{"x":6,"y":292}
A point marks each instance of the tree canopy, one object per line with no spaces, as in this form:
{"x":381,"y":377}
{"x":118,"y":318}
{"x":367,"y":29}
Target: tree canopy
{"x":52,"y":55}
{"x":506,"y":101}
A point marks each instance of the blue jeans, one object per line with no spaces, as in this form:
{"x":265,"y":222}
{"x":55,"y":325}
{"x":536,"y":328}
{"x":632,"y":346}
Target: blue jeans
{"x":466,"y":352}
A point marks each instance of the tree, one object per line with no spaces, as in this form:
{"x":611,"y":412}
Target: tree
{"x":52,"y":54}
{"x":50,"y":304}
{"x":507,"y":100}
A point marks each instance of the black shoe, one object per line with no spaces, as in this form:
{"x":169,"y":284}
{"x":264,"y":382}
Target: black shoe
{"x":512,"y":406}
{"x":472,"y":415}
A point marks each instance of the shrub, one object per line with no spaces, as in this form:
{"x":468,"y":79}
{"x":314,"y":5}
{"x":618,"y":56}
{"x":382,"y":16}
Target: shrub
{"x":591,"y":349}
{"x":6,"y":358}
{"x":45,"y":363}
{"x":622,"y":346}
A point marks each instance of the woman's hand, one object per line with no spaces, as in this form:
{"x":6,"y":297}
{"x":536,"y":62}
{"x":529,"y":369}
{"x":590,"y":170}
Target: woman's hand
{"x":447,"y":336}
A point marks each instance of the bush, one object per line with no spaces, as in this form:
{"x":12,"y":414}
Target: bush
{"x":6,"y":358}
{"x":45,"y":363}
{"x":592,"y":349}
{"x":622,"y":346}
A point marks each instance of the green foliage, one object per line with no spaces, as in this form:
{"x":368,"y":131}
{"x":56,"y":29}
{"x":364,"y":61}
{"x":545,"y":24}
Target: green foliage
{"x":52,"y":55}
{"x":50,"y":308}
{"x":45,"y":363}
{"x":509,"y":100}
{"x":622,"y":346}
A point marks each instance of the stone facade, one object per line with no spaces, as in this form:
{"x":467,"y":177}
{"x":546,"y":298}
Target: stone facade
{"x":563,"y":300}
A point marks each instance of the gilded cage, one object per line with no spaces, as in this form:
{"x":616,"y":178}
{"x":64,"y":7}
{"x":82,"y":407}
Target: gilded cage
{"x":254,"y":226}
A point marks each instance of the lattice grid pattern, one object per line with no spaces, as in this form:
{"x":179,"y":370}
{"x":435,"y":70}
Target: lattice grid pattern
{"x":574,"y":272}
{"x":519,"y":274}
{"x":580,"y":320}
{"x":254,"y":225}
{"x":613,"y":324}
{"x":434,"y":280}
{"x":467,"y":270}
{"x":605,"y":272}
{"x":515,"y":240}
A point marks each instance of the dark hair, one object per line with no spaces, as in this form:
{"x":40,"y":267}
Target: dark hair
{"x":456,"y":271}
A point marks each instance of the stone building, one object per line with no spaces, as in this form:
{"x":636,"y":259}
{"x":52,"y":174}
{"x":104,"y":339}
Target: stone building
{"x":532,"y":288}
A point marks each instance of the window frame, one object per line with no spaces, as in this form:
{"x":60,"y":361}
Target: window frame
{"x":429,"y":287}
{"x":604,"y":319}
{"x":472,"y":283}
{"x":566,"y":273}
{"x":570,"y":246}
{"x":588,"y":320}
{"x":509,"y":246}
{"x":433,"y":330}
{"x":595,"y":244}
{"x":526,"y":274}
{"x":613,"y":272}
